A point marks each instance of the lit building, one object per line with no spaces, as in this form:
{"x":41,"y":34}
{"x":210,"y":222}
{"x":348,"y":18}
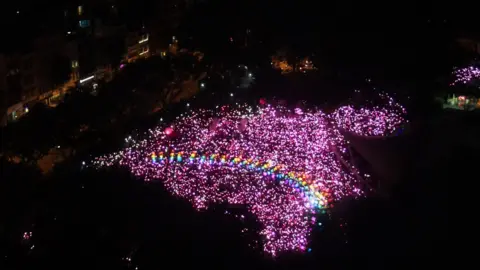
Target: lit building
{"x":281,"y":64}
{"x":17,"y":83}
{"x":461,"y":102}
{"x":40,"y":73}
{"x":137,"y":43}
{"x":305,"y":65}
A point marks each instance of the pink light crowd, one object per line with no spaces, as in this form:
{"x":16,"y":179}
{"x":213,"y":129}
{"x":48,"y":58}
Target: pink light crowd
{"x":279,"y":163}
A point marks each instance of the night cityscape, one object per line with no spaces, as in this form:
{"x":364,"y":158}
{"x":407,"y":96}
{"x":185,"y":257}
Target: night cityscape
{"x":182,"y":134}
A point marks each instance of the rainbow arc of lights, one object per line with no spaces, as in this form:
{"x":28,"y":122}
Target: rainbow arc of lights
{"x":278,"y":162}
{"x":316,"y":197}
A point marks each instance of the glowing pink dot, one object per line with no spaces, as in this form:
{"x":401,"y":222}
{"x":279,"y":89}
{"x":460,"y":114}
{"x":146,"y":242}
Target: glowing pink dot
{"x":168,"y":130}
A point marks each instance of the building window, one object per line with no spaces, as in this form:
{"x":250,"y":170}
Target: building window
{"x":84,"y":23}
{"x":144,"y":51}
{"x":143,"y":39}
{"x":74,"y":64}
{"x":80,"y":10}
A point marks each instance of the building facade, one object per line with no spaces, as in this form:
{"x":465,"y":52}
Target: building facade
{"x":36,"y":75}
{"x":137,"y":45}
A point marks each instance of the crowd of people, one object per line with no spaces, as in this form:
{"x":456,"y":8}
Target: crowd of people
{"x":278,"y":162}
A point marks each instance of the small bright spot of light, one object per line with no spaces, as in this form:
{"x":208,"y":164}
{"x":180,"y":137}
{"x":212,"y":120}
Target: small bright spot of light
{"x":202,"y":84}
{"x":188,"y":104}
{"x":58,"y":146}
{"x":231,"y":94}
{"x":249,"y":74}
{"x":18,"y":11}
